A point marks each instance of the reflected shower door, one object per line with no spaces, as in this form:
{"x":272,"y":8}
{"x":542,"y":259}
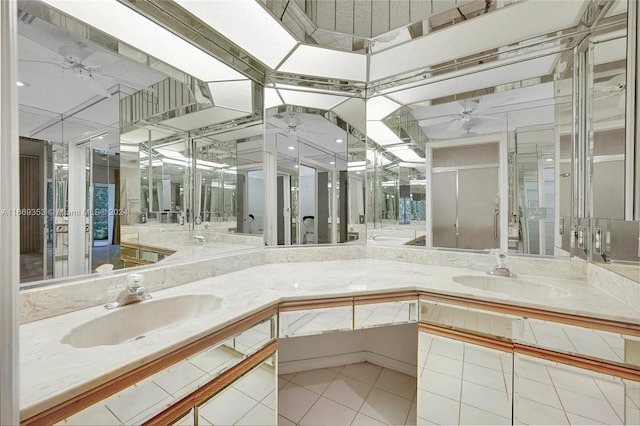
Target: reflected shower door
{"x":478,"y":220}
{"x":445,"y":209}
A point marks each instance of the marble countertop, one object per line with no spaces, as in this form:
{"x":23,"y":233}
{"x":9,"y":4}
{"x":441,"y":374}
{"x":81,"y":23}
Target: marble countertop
{"x":52,"y":372}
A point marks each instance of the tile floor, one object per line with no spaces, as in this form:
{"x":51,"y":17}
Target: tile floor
{"x":354,"y":394}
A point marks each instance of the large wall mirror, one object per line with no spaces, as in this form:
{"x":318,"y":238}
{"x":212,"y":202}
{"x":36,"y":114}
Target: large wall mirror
{"x":318,"y":178}
{"x":126,"y":160}
{"x":522,"y":147}
{"x":489,"y":152}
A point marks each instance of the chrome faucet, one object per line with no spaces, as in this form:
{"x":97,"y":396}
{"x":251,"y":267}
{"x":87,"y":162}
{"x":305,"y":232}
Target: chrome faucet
{"x":500,"y":269}
{"x":134,"y":292}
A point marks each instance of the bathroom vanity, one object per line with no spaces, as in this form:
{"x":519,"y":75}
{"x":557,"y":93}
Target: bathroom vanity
{"x":488,"y":348}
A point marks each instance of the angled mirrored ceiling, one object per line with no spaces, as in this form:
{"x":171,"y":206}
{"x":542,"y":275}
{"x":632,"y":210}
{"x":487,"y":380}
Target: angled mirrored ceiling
{"x":276,"y":42}
{"x":418,"y":55}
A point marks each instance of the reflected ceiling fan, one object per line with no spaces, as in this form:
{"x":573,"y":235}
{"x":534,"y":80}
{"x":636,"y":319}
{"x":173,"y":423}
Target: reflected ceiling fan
{"x":81,"y":62}
{"x":472,"y":113}
{"x":290,"y":123}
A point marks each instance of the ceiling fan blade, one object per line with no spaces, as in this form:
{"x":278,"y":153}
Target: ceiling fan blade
{"x":97,"y":88}
{"x":455,"y":126}
{"x":436,"y":120}
{"x":42,"y":62}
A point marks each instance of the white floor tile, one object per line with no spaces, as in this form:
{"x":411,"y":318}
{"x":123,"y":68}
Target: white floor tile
{"x":437,"y":409}
{"x":470,"y":415}
{"x":149,"y":412}
{"x":362,"y":420}
{"x":326,"y":412}
{"x":282,"y":421}
{"x":271,"y":400}
{"x":420,"y":421}
{"x":348,"y":392}
{"x":315,"y":380}
{"x":574,"y":419}
{"x":181,"y":375}
{"x":97,"y":414}
{"x":135,"y":399}
{"x":281,"y":382}
{"x":484,"y":398}
{"x":532,"y":370}
{"x":396,"y":383}
{"x":363,"y":371}
{"x":481,"y":357}
{"x":448,"y":348}
{"x":227,"y":407}
{"x":441,"y":384}
{"x":533,"y":413}
{"x":386,"y":407}
{"x":214,"y":361}
{"x":593,"y":408}
{"x":259,"y":416}
{"x":258,"y":383}
{"x":337,"y":370}
{"x":536,"y":391}
{"x":574,"y":380}
{"x":294,"y":401}
{"x":444,"y":365}
{"x":484,"y":376}
{"x":287,"y":377}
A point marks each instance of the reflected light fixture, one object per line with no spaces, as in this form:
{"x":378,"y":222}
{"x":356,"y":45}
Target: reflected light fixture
{"x":339,"y":140}
{"x":21,"y":83}
{"x":292,"y":147}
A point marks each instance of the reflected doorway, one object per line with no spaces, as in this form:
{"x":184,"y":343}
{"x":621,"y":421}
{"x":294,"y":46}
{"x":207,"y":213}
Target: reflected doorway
{"x":465,"y":197}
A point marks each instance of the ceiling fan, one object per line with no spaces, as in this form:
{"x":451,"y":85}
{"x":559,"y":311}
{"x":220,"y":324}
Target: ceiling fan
{"x":77,"y":59}
{"x":290,"y":123}
{"x":472,"y":113}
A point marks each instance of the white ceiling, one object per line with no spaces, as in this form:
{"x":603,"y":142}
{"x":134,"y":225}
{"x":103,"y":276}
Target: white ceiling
{"x":52,"y":90}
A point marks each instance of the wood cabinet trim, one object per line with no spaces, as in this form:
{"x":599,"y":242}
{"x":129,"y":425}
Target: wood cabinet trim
{"x":203,"y":393}
{"x":570,"y":319}
{"x":67,"y":408}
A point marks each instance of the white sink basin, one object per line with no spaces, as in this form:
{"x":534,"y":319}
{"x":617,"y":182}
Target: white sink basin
{"x":133,"y":322}
{"x":511,"y":286}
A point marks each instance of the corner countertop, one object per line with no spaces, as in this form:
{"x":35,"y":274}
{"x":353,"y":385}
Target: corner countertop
{"x":52,"y":372}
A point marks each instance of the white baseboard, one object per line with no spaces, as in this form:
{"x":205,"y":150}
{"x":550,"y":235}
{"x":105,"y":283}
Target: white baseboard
{"x":392,"y":364}
{"x":297,"y":366}
{"x":322,"y":362}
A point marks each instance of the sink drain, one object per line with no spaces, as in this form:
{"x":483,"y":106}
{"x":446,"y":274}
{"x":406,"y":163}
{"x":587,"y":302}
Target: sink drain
{"x":139,"y":337}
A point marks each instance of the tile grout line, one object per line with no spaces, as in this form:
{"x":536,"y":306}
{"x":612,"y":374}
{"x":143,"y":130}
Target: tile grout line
{"x":609,"y":402}
{"x":553,"y":383}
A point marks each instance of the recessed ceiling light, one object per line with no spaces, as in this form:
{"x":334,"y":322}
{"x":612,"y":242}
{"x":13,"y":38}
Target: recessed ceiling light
{"x":339,"y":140}
{"x":292,"y":147}
{"x":296,"y":166}
{"x":332,"y":162}
{"x":548,"y":159}
{"x":22,"y":83}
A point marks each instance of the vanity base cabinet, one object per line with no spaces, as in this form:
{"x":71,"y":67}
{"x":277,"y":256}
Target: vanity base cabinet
{"x":462,"y":383}
{"x":547,"y":392}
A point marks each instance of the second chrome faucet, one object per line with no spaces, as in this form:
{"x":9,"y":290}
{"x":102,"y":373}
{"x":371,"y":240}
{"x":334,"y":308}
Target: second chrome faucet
{"x":500,"y":269}
{"x":134,"y":292}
